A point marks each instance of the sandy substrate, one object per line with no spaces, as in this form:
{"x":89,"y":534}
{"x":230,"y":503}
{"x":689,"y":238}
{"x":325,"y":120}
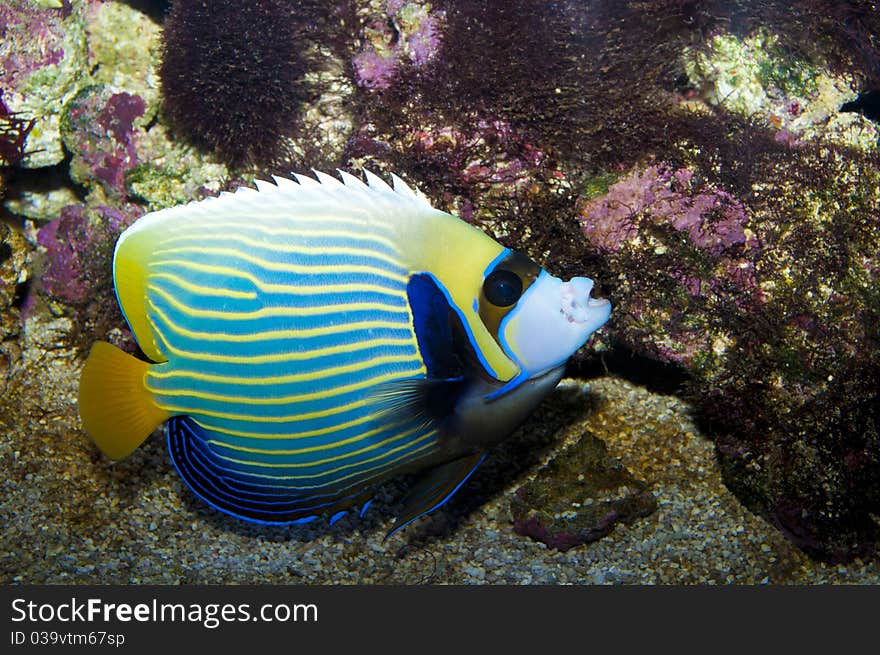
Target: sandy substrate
{"x":71,"y":516}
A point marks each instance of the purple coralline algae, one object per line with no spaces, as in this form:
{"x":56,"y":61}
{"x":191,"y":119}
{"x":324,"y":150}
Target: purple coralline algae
{"x":374,"y":70}
{"x":99,"y":128}
{"x":712,"y":219}
{"x":701,"y":246}
{"x":78,"y":246}
{"x":92,"y":114}
{"x":408,"y":33}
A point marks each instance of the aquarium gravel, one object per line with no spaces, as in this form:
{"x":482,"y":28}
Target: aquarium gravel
{"x":71,"y":516}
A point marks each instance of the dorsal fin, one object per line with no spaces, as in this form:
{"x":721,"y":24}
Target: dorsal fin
{"x":427,"y":240}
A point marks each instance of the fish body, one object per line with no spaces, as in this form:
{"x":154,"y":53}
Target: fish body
{"x":312,"y":338}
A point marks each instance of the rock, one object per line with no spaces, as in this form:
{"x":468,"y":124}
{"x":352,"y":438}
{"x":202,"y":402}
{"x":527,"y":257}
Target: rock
{"x":43,"y":64}
{"x":99,"y":129}
{"x":171,"y":172}
{"x":579,"y":497}
{"x":755,"y":76}
{"x":124,"y":49}
{"x":15,"y":254}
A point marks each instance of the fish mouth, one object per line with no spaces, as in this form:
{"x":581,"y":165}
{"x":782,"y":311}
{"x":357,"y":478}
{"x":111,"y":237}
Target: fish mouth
{"x":552,"y":320}
{"x":577,"y":306}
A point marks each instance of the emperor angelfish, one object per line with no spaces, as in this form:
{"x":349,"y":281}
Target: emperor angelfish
{"x":313,"y":338}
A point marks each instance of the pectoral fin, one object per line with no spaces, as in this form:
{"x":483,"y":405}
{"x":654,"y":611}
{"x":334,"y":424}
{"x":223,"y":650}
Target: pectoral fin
{"x":435,"y":487}
{"x":418,"y":399}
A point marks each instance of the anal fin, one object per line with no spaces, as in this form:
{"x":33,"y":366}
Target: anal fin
{"x":435,"y":487}
{"x":240,"y":494}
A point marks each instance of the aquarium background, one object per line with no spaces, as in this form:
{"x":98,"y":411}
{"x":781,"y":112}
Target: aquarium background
{"x":713,"y":165}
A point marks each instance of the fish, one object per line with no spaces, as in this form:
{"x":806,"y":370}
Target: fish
{"x":311,"y":338}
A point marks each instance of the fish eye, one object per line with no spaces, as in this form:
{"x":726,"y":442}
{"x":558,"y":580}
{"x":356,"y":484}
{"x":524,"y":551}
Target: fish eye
{"x":502,"y":287}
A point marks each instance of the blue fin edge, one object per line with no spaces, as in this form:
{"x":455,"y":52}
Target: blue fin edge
{"x":400,"y":527}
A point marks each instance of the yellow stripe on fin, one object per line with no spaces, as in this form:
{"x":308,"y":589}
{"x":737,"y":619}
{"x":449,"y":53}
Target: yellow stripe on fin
{"x":117,"y":410}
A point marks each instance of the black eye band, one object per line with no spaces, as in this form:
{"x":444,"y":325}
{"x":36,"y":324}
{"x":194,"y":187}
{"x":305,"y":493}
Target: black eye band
{"x":502,"y":288}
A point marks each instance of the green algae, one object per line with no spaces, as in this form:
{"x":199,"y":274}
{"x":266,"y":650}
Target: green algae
{"x":175,"y":172}
{"x":756,"y":76}
{"x":598,"y":185}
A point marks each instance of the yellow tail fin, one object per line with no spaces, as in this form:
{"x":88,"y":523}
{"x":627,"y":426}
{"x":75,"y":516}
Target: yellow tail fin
{"x":116,"y":409}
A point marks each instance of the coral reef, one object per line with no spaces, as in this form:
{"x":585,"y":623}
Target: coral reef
{"x":102,"y":118}
{"x":325,"y":125}
{"x":775,"y":328}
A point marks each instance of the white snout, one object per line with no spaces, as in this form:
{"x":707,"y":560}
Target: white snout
{"x":551,"y":321}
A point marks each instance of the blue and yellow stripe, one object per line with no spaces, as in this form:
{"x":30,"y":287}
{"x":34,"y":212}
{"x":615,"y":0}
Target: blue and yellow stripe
{"x":274,"y":340}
